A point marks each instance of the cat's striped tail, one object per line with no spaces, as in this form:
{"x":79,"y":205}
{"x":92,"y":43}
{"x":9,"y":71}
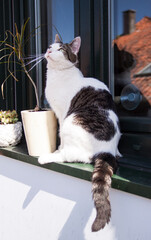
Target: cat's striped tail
{"x":104,"y":166}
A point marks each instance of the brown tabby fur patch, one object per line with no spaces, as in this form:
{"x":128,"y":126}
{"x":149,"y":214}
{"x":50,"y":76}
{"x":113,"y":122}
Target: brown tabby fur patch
{"x":104,"y":166}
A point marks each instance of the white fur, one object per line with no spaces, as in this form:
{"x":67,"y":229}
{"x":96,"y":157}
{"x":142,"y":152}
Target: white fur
{"x":64,"y":80}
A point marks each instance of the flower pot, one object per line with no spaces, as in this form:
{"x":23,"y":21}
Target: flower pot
{"x":40,"y":130}
{"x":10,"y":134}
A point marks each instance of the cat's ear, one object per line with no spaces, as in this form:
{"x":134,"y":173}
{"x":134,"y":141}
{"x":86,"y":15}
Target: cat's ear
{"x":75,"y":45}
{"x":57,"y":39}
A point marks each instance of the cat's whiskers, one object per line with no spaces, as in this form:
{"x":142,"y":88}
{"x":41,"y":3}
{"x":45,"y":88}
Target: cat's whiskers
{"x":36,"y":64}
{"x":34,"y":59}
{"x":34,"y":56}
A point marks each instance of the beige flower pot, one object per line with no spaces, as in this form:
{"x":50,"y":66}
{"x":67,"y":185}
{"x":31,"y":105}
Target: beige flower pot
{"x":40,"y":130}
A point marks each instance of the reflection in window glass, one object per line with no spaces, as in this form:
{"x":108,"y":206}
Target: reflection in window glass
{"x":132,"y":58}
{"x":63,"y":19}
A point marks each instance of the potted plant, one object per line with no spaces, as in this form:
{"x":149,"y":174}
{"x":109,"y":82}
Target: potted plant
{"x":10,"y":128}
{"x":39,"y":125}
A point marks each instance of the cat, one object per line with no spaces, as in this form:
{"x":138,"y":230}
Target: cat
{"x":89,"y":126}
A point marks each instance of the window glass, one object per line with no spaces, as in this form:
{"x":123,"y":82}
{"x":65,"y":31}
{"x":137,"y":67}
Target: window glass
{"x":59,"y":18}
{"x":63,"y":19}
{"x":132,"y":58}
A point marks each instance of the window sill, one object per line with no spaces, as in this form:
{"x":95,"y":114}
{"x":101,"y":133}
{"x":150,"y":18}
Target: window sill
{"x":126,"y":179}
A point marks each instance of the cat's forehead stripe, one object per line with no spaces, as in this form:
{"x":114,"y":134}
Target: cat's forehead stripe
{"x":68,"y":53}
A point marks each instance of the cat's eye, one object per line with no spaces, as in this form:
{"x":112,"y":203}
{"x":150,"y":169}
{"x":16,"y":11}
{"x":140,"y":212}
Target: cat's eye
{"x":61,"y":49}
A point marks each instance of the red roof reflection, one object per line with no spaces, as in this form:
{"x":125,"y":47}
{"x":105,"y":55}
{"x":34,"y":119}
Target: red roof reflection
{"x":138,"y":43}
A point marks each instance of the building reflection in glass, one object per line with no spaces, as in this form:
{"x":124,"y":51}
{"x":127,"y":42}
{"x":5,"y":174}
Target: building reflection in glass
{"x":132,"y":66}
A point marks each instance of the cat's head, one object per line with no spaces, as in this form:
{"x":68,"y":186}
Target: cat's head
{"x":63,"y":55}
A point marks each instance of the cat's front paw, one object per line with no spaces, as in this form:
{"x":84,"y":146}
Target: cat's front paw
{"x":45,"y":158}
{"x":50,"y":157}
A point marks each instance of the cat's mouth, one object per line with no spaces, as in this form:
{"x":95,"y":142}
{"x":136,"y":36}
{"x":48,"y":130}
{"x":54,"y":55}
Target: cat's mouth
{"x":47,"y":55}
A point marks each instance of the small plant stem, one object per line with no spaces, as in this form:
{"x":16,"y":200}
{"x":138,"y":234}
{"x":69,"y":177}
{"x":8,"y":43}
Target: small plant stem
{"x":37,"y":108}
{"x":34,"y":85}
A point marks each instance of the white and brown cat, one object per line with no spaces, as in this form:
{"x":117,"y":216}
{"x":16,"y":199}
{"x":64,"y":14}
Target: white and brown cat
{"x":89,"y":126}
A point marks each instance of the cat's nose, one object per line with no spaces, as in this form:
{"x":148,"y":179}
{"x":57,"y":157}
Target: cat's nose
{"x":48,"y":50}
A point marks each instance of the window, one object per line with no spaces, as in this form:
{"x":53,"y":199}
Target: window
{"x":112,"y":52}
{"x":18,"y":95}
{"x":132,"y":78}
{"x":132,"y":56}
{"x":116,"y":48}
{"x":146,"y":71}
{"x":57,"y":16}
{"x":46,"y":18}
{"x":63,"y":19}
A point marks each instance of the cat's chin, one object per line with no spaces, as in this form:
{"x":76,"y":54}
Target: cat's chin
{"x":46,"y":55}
